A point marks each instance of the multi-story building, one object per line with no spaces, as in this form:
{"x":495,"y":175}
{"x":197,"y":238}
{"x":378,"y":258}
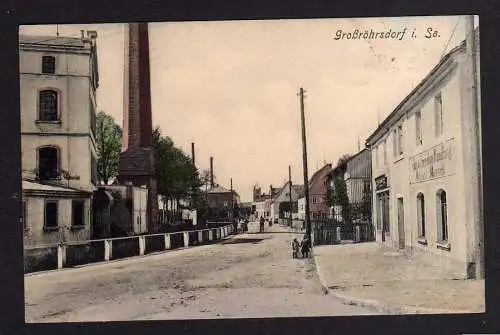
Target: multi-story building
{"x":58,"y":83}
{"x":419,"y":163}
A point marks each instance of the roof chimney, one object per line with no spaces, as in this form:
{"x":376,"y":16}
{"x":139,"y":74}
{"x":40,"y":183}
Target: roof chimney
{"x":82,"y":32}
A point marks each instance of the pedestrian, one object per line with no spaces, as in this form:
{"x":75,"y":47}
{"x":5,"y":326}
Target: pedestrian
{"x":262,"y":221}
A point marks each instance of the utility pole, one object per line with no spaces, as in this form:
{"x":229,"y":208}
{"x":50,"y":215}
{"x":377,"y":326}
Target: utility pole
{"x":232,"y":199}
{"x":304,"y":162}
{"x":192,"y":153}
{"x":211,"y":172}
{"x":290,"y":194}
{"x":471,"y":129}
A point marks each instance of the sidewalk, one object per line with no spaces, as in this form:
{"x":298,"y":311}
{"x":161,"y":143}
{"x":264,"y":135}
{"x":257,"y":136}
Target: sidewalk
{"x":370,"y":275}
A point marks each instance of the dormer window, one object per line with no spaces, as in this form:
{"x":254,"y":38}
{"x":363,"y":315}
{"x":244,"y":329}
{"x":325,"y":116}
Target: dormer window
{"x":48,"y":64}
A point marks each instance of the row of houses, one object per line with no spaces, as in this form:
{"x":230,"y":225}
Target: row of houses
{"x":413,"y":177}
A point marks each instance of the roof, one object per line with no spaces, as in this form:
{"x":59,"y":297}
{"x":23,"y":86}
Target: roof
{"x":219,"y":189}
{"x":387,"y":120}
{"x":52,"y":40}
{"x":299,"y":189}
{"x":34,"y":187}
{"x":317,"y":173}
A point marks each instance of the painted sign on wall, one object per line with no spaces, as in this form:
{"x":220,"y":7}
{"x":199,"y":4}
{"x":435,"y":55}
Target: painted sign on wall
{"x":437,"y":162}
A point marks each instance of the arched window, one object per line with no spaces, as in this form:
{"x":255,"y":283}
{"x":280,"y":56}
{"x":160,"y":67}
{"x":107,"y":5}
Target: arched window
{"x":442,"y":215}
{"x":421,"y":215}
{"x":48,"y":163}
{"x":48,"y":105}
{"x":48,"y":64}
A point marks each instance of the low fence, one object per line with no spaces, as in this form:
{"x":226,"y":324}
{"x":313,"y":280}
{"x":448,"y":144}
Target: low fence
{"x":334,"y":232}
{"x":69,"y":254}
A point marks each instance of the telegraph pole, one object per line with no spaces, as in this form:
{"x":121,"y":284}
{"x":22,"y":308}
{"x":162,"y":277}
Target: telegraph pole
{"x":304,"y":162}
{"x":290,"y":194}
{"x":232,"y":196}
{"x":471,"y":122}
{"x":192,"y":152}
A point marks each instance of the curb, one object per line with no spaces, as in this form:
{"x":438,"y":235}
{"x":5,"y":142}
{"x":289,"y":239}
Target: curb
{"x":100,"y":263}
{"x":377,"y":305}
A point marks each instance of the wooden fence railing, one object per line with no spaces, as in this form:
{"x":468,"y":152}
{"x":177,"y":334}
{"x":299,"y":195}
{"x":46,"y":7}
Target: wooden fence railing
{"x":74,"y":253}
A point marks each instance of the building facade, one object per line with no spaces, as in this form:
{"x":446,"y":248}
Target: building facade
{"x":358,"y":184}
{"x":420,"y":182}
{"x":58,"y":83}
{"x":318,"y":186}
{"x":280,"y":202}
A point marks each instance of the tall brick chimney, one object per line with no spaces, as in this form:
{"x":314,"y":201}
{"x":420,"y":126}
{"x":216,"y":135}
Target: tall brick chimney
{"x":137,"y":160}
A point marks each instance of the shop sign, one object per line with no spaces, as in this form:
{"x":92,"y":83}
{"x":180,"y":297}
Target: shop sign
{"x":436,"y":162}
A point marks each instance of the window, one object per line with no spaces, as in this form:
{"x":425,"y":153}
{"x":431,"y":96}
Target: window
{"x":394,"y":143}
{"x":225,"y":203}
{"x":421,"y":215}
{"x":78,"y":213}
{"x":418,"y":127}
{"x":48,"y":110}
{"x":48,"y":64}
{"x":48,"y":163}
{"x":25,"y":216}
{"x":376,"y":156}
{"x":314,"y":200}
{"x":442,"y":216}
{"x":438,"y":114}
{"x":51,"y":214}
{"x":400,"y":139}
{"x":385,"y":151}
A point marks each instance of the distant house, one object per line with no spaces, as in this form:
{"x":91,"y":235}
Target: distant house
{"x":221,"y":201}
{"x":280,"y":202}
{"x":262,"y":201}
{"x":318,"y":186}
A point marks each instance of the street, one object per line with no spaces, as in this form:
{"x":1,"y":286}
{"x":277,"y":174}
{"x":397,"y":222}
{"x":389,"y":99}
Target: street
{"x":248,"y":276}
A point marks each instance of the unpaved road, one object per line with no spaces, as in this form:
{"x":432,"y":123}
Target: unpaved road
{"x":247,"y":276}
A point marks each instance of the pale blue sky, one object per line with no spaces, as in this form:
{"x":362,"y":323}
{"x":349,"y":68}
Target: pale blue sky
{"x":231,"y":86}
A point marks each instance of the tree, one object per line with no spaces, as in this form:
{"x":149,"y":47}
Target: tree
{"x":177,"y":177}
{"x":109,"y":144}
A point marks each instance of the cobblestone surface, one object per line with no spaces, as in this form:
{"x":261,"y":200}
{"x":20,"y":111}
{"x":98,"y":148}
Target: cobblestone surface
{"x":250,"y":275}
{"x":371,"y":273}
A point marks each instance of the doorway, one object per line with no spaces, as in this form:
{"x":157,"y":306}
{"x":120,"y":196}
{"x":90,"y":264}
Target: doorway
{"x":383,"y":214}
{"x":401,"y":223}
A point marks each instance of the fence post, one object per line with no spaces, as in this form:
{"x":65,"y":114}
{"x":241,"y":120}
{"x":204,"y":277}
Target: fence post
{"x":186,"y":239}
{"x":358,"y":234}
{"x":210,"y":235}
{"x":108,"y":245}
{"x":200,"y":236}
{"x":338,"y":237}
{"x":167,"y":241}
{"x":61,"y":256}
{"x":142,"y":245}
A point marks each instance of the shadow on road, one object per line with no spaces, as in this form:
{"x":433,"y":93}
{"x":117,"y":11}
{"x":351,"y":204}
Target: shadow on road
{"x":243,"y":240}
